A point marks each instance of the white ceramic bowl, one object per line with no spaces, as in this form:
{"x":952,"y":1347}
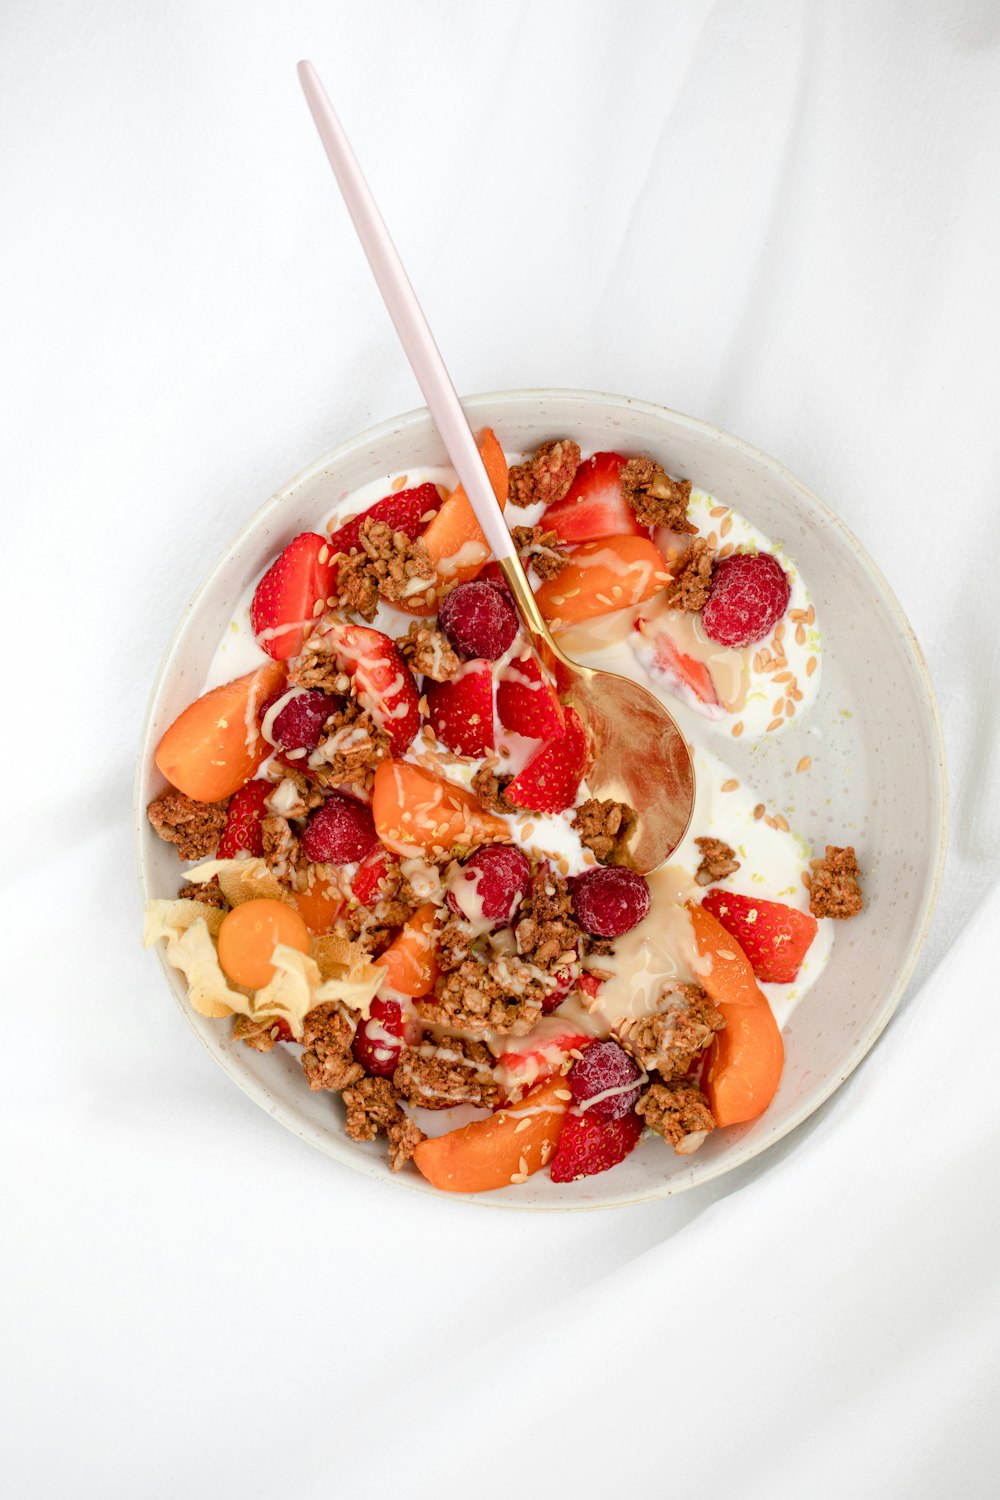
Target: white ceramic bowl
{"x":878,"y":782}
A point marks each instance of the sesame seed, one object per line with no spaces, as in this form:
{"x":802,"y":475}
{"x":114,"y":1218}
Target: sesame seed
{"x":522,"y":1165}
{"x":318,"y":608}
{"x":800,"y":635}
{"x":770,"y":822}
{"x":564,"y":1093}
{"x":780,"y":822}
{"x":522,"y":1125}
{"x":737,"y":729}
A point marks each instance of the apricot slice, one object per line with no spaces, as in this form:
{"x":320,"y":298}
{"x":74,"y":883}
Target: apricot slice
{"x":600,"y":577}
{"x":318,"y":908}
{"x":215,"y":745}
{"x":410,"y":961}
{"x":454,"y":540}
{"x":249,"y":935}
{"x":507,"y":1148}
{"x":744,"y":1061}
{"x":414,"y":809}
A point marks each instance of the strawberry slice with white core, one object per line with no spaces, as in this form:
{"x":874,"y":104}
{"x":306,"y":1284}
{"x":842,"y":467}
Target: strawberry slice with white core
{"x":682,"y":675}
{"x":383,"y":683}
{"x":461,"y":711}
{"x":291,"y":594}
{"x":594,"y":506}
{"x":551,"y":779}
{"x":527,"y":702}
{"x":524,"y":1061}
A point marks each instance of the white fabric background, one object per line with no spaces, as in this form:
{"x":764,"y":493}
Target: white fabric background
{"x":780,"y":216}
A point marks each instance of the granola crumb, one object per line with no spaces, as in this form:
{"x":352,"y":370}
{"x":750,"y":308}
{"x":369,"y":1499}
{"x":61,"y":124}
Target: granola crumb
{"x":326,"y":1041}
{"x":260,"y":1032}
{"x":656,"y":499}
{"x":195,"y":827}
{"x":547,"y":932}
{"x":490,"y":789}
{"x":283,"y":853}
{"x":717,"y":861}
{"x":679,"y":1112}
{"x":440,"y":1075}
{"x":546,"y":476}
{"x":351,"y":748}
{"x":540,"y":549}
{"x":692,"y":582}
{"x":427,"y":653}
{"x":604,"y":828}
{"x":316,"y":667}
{"x":388,"y":566}
{"x":373,"y":1107}
{"x":834,"y":890}
{"x":669,"y":1040}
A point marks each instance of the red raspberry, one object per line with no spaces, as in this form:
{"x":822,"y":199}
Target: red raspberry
{"x":499,"y":876}
{"x":605,"y":1066}
{"x":610,"y":900}
{"x":749,"y":595}
{"x":479,"y":620}
{"x":299,"y":726}
{"x":379,"y":1040}
{"x":339,"y":832}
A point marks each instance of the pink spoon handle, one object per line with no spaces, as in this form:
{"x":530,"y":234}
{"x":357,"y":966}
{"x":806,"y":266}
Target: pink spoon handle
{"x":405,"y":311}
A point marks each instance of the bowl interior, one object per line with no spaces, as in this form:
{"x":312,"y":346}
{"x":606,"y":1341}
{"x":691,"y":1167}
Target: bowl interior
{"x":876,"y":778}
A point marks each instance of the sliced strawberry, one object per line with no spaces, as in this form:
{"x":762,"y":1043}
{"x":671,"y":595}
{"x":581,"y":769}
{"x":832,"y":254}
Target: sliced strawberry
{"x":284,"y":605}
{"x":551,"y":779}
{"x":383,"y":683}
{"x":370,"y":882}
{"x":774,"y":937}
{"x":408,"y":511}
{"x":594,"y":506}
{"x":588,"y":1145}
{"x":242,"y":833}
{"x":663,"y":660}
{"x":527,"y":702}
{"x":589,"y":983}
{"x":530,"y":1059}
{"x":461,"y":711}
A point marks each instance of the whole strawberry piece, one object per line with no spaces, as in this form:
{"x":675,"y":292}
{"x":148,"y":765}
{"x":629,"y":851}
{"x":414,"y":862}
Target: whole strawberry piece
{"x":339,"y":832}
{"x":749,"y":595}
{"x":610,"y":900}
{"x":242,"y":833}
{"x":551,"y":779}
{"x":299,"y":725}
{"x":383,"y":683}
{"x":461,"y":711}
{"x":527,"y":702}
{"x":285,"y":601}
{"x":378,"y":1041}
{"x":492,"y":883}
{"x":605,"y":1081}
{"x":588,"y":1145}
{"x":478,"y":619}
{"x":774,"y":937}
{"x":407,"y":511}
{"x":594,"y":505}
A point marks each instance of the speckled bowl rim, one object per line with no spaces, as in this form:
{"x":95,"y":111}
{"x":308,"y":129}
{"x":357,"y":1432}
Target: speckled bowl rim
{"x":489,"y":404}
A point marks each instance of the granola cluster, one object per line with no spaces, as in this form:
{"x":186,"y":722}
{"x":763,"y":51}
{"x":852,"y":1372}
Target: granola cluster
{"x":717,"y":861}
{"x":692,"y":581}
{"x":604,"y":828}
{"x":195,"y":827}
{"x":835,"y":890}
{"x":656,"y":499}
{"x":386,"y":565}
{"x":547,"y":475}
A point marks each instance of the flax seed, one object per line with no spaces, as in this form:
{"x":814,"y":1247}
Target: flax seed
{"x":811,"y":665}
{"x":730,"y":785}
{"x":774,"y":724}
{"x":759,"y":812}
{"x":758,"y":662}
{"x":398,"y":483}
{"x":783,"y":677}
{"x":737,"y":729}
{"x":717,"y":511}
{"x":800,"y":635}
{"x":804,"y":763}
{"x":789,"y":708}
{"x":770,"y":821}
{"x":782,"y":823}
{"x":726,"y":526}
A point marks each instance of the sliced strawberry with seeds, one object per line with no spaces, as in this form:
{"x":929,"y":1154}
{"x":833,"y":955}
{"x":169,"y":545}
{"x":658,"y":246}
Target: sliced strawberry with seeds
{"x":594,"y":506}
{"x":244,"y":815}
{"x":383,"y":683}
{"x":290,"y":595}
{"x":407,"y":511}
{"x":370,"y":883}
{"x":461,"y":711}
{"x":774,"y":937}
{"x":663,"y":660}
{"x":588,"y":1145}
{"x":527,"y":702}
{"x":551,"y":779}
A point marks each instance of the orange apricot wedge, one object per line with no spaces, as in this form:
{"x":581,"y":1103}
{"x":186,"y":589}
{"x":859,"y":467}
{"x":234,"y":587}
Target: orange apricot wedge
{"x":506,"y":1148}
{"x":600,"y":577}
{"x":414,"y":810}
{"x":215,"y":745}
{"x":454,"y":540}
{"x":745,"y":1060}
{"x":318,"y":908}
{"x":410,"y":961}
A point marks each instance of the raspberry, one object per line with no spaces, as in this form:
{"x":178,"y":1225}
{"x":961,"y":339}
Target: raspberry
{"x":479,"y":620}
{"x":749,"y":595}
{"x":339,"y":832}
{"x":610,"y":901}
{"x":299,"y":726}
{"x":493,"y":882}
{"x":379,"y":1040}
{"x":605,"y":1066}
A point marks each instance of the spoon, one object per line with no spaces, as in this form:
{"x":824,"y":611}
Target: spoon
{"x":639,"y":755}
